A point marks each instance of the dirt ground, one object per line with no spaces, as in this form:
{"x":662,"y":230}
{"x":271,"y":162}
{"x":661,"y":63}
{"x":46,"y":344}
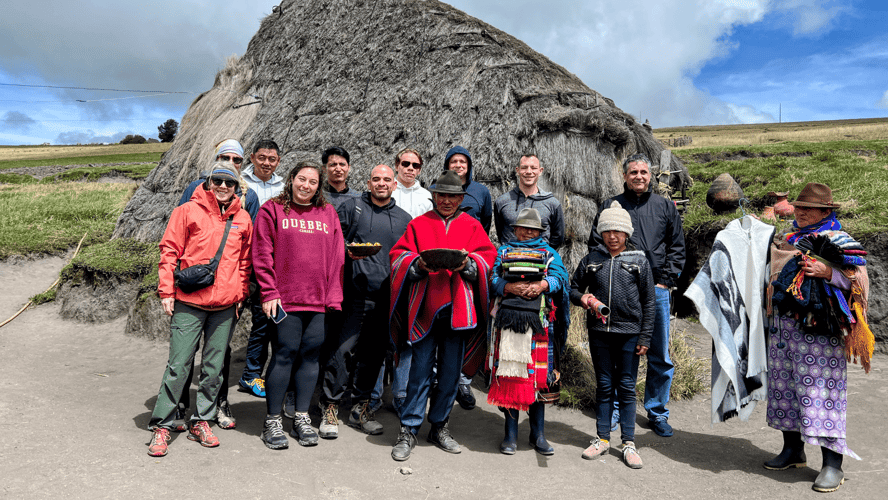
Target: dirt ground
{"x":77,"y":399}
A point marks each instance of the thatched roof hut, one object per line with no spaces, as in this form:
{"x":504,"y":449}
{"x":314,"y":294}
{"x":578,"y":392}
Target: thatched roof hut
{"x":375,"y":76}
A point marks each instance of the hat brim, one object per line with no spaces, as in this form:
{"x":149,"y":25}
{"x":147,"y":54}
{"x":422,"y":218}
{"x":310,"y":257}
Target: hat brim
{"x":447,"y":190}
{"x":812,"y":204}
{"x":528,"y":226}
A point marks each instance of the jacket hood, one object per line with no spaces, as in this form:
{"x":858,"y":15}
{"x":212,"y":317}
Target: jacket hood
{"x":459,"y":150}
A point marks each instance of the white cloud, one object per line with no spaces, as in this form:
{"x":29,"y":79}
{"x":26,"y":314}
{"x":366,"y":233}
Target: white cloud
{"x":883,"y":104}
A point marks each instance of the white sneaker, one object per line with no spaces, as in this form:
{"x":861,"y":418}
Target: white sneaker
{"x":329,"y":428}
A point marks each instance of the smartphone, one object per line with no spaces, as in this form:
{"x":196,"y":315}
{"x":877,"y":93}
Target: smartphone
{"x":279,"y":315}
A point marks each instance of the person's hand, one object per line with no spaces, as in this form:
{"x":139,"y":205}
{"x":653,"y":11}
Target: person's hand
{"x":664,"y":287}
{"x":518,"y":288}
{"x":816,"y":269}
{"x":462,"y":266}
{"x":641,"y":350}
{"x":422,"y":265}
{"x":355,"y":257}
{"x":587,"y":300}
{"x":535,"y":289}
{"x":168,"y":304}
{"x":270,"y":307}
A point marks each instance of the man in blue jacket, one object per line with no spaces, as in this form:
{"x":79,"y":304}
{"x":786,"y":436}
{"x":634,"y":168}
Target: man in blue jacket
{"x":477,"y":203}
{"x":658,"y":233}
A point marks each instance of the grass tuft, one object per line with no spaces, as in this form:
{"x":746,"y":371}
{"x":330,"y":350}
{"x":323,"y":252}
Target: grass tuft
{"x":122,"y":257}
{"x":135,"y":172}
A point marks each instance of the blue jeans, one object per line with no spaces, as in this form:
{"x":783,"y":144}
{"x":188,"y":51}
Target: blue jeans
{"x":616,"y":369}
{"x":261,"y":335}
{"x":449,"y":345}
{"x":399,"y":383}
{"x":660,"y":368}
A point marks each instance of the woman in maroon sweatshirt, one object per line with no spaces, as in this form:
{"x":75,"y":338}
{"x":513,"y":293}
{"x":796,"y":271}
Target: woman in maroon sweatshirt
{"x":298,"y":256}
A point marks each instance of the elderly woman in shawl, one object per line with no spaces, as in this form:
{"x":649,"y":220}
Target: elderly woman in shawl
{"x":817,"y":323}
{"x":531,"y":315}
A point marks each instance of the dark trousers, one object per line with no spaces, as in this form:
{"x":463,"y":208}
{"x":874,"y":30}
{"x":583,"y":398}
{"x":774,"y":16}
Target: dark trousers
{"x":261,"y":335}
{"x":616,"y":367}
{"x":297,"y":347}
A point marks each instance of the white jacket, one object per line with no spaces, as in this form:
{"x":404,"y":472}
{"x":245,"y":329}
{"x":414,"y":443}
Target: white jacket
{"x":415,"y":200}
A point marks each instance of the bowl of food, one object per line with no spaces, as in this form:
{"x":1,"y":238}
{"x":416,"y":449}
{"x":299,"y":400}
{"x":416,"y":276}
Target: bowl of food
{"x":443,"y":258}
{"x":364,"y":249}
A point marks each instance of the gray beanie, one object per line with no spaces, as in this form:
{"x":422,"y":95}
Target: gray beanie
{"x":615,"y":218}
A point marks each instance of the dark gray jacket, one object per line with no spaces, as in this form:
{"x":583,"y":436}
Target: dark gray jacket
{"x":625,"y":284}
{"x":509,"y":204}
{"x":658,"y":232}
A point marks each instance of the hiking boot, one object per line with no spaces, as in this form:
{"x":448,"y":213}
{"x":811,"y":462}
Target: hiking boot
{"x":224,"y":417}
{"x":360,"y":417}
{"x":290,"y":404}
{"x":200,"y":432}
{"x":329,"y":428}
{"x":159,"y":442}
{"x":596,"y":449}
{"x":255,"y":386}
{"x":273,"y":433}
{"x":464,"y":397}
{"x":303,"y":432}
{"x":630,"y":455}
{"x":404,"y":445}
{"x":179,"y":424}
{"x":439,"y":435}
{"x":661,"y":428}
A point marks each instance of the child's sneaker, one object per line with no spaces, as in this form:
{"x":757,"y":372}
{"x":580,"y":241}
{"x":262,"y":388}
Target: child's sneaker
{"x":596,"y":449}
{"x":630,"y":455}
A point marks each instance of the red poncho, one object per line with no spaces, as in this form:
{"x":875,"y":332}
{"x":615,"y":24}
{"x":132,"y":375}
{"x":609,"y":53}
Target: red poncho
{"x":413,"y":306}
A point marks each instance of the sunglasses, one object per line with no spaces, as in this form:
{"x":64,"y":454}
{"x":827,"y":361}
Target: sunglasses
{"x":228,"y":182}
{"x":407,"y":164}
{"x":237,"y":160}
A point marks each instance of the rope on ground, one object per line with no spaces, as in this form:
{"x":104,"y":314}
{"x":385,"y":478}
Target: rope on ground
{"x":48,"y":289}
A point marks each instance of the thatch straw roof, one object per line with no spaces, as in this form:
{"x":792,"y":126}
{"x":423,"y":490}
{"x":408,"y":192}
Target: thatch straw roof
{"x":377,"y":76}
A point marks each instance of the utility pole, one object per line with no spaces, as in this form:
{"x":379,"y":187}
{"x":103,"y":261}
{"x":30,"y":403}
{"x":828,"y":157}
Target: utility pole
{"x":780,"y":114}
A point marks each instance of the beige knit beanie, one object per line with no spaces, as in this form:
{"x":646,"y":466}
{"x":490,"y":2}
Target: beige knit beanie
{"x":615,"y":218}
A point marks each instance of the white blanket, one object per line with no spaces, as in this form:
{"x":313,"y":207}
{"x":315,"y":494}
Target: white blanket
{"x":728,"y":293}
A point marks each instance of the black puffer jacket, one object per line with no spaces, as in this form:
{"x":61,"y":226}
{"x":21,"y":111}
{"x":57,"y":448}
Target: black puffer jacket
{"x":658,"y":232}
{"x":625,"y":284}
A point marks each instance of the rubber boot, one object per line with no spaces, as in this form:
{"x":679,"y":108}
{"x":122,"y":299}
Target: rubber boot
{"x":831,"y":475}
{"x":510,"y":443}
{"x":537,"y":421}
{"x":792,"y":454}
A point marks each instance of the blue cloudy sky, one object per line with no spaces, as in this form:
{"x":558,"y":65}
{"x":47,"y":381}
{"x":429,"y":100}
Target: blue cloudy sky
{"x":674,"y":62}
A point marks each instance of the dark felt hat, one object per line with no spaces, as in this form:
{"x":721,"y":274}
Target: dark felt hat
{"x":448,"y":183}
{"x":529,"y":218}
{"x":815,"y":195}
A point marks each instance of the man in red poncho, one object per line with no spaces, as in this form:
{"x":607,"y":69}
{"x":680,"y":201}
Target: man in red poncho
{"x":439,"y":311}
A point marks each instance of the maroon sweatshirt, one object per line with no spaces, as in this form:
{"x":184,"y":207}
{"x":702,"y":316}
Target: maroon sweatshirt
{"x":298,"y":256}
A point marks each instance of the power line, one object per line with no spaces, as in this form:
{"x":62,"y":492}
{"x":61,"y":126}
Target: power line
{"x":90,"y":88}
{"x":91,"y":100}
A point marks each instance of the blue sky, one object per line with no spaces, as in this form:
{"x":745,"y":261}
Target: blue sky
{"x":674,"y":62}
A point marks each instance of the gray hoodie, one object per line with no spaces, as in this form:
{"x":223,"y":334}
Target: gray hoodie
{"x":509,"y":204}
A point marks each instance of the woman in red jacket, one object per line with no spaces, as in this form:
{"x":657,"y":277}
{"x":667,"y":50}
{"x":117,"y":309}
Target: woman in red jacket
{"x":299,"y":257}
{"x":194,"y":236}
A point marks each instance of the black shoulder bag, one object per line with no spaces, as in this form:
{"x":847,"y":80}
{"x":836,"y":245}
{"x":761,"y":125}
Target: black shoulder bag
{"x":194,"y":278}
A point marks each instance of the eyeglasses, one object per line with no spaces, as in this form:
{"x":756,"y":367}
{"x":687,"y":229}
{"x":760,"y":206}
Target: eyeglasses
{"x":407,"y":164}
{"x":237,"y":160}
{"x":228,"y":182}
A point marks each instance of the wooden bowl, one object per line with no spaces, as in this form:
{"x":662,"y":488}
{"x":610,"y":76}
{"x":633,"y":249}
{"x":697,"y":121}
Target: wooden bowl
{"x":443,"y":258}
{"x":364,"y":249}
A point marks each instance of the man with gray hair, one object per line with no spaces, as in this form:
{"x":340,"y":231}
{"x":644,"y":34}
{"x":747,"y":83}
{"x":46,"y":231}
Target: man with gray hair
{"x":658,"y":233}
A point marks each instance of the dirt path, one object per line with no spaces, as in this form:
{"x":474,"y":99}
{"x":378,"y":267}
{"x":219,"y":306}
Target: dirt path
{"x":77,"y":398}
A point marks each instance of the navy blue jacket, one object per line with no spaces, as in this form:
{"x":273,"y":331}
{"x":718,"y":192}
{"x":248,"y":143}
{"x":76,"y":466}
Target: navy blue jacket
{"x":477,"y":201}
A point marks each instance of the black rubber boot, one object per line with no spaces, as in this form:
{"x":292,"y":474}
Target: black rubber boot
{"x":537,"y":422}
{"x":510,"y":443}
{"x":831,"y":475}
{"x":792,"y":454}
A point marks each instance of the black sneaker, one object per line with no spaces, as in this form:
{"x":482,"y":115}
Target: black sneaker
{"x":441,"y":438}
{"x":404,"y":445}
{"x":302,"y":430}
{"x":360,"y":417}
{"x":273,"y":434}
{"x":464,"y":397}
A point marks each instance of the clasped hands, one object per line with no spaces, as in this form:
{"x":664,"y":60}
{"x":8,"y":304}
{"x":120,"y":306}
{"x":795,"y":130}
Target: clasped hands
{"x":527,"y":289}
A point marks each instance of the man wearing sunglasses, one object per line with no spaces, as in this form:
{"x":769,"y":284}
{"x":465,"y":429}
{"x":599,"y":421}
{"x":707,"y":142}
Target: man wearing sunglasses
{"x":230,"y":153}
{"x":409,"y":194}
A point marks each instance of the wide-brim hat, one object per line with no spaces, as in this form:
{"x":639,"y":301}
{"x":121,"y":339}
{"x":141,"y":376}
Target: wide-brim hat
{"x":815,"y":195}
{"x":448,"y":183}
{"x":529,"y":218}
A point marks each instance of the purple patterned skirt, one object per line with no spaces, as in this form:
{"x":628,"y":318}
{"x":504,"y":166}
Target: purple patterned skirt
{"x":807,"y":379}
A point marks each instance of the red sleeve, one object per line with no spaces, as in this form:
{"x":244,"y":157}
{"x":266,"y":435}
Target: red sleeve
{"x":246,"y":262}
{"x":172,"y":246}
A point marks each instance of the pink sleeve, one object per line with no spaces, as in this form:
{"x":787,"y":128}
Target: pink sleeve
{"x":263,"y":252}
{"x":336,"y":271}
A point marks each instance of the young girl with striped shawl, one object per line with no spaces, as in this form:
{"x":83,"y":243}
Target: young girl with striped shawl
{"x":530,"y":318}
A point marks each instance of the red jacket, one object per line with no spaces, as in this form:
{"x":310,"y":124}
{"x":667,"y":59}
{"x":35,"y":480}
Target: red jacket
{"x":193,"y":236}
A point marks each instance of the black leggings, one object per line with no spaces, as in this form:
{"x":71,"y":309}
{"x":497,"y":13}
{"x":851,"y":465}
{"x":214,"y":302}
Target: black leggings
{"x":297,"y":347}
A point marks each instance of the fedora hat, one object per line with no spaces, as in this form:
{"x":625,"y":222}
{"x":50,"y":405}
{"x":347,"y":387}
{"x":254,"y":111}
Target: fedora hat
{"x":815,"y":195}
{"x":448,"y":183}
{"x":529,"y":218}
